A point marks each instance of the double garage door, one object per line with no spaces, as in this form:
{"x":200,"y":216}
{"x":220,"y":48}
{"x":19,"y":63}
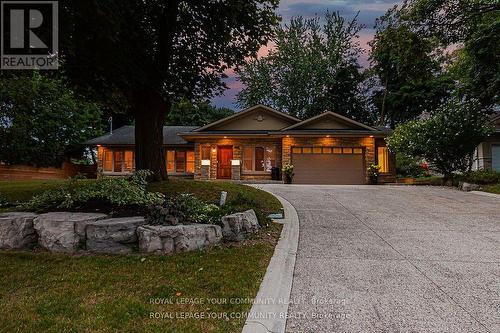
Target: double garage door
{"x":328,"y":165}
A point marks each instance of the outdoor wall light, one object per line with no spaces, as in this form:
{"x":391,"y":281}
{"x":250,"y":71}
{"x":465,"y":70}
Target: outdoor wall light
{"x":235,"y":162}
{"x":205,"y":162}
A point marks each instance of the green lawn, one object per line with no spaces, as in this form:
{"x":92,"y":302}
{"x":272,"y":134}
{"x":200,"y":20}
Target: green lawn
{"x":492,"y":188}
{"x":23,"y":190}
{"x":41,"y":292}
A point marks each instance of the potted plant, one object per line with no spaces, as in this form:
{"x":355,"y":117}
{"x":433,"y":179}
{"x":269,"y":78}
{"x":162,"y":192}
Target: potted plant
{"x":287,"y":173}
{"x":373,"y":172}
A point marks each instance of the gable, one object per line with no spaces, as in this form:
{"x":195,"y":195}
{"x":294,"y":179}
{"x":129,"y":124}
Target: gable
{"x":257,"y":118}
{"x":329,"y":121}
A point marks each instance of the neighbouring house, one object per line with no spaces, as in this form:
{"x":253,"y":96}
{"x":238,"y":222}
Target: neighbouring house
{"x":487,"y":154}
{"x":326,"y":149}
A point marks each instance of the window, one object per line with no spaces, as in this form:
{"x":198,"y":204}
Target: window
{"x":296,"y":150}
{"x":258,"y":159}
{"x":327,"y":150}
{"x":107,"y":160}
{"x":347,"y":150}
{"x":205,"y":153}
{"x":337,"y":150}
{"x":117,"y":161}
{"x":170,"y":161}
{"x":306,"y":150}
{"x":383,"y":159}
{"x":358,"y":151}
{"x":180,"y":161}
{"x":190,"y":162}
{"x":128,"y":161}
{"x":317,"y":150}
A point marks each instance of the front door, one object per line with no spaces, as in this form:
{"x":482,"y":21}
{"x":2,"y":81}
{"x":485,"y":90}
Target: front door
{"x":224,"y":157}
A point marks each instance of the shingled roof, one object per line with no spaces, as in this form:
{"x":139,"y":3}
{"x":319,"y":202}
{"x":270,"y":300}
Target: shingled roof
{"x":125,"y":136}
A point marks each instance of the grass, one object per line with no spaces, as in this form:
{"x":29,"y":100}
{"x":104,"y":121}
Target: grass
{"x":23,"y":190}
{"x":491,"y":188}
{"x":42,"y":292}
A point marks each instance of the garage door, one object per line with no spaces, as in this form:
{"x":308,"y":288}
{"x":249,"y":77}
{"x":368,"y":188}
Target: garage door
{"x":328,"y":165}
{"x":495,"y":154}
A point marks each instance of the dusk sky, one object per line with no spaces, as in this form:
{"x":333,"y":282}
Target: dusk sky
{"x":369,"y":10}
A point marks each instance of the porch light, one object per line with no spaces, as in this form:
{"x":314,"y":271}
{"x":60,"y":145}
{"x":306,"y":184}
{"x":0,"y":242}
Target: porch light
{"x":235,"y":162}
{"x":288,"y":136}
{"x":205,"y":162}
{"x":225,"y":137}
{"x":327,"y":136}
{"x":371,"y":136}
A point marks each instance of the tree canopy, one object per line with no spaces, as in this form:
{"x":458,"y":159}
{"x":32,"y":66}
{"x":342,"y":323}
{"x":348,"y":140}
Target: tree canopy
{"x":312,"y":67}
{"x":151,"y":52}
{"x":199,"y":113}
{"x":42,"y":120}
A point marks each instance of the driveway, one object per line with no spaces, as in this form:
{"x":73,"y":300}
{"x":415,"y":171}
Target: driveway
{"x":394,"y":259}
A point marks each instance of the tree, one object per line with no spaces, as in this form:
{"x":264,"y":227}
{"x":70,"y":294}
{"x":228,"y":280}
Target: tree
{"x":41,"y":120}
{"x":151,"y":52}
{"x":312,"y":68}
{"x":409,"y":69}
{"x":447,"y":139}
{"x":200,"y":113}
{"x":472,"y":26}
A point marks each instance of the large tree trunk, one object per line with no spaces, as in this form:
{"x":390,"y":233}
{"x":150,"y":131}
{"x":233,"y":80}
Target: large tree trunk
{"x":149,"y":110}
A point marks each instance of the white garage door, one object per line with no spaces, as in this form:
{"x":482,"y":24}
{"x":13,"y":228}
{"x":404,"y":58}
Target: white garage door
{"x":495,"y":154}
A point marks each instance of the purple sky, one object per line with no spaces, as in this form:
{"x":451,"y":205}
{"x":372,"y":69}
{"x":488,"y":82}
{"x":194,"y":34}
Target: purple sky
{"x":369,"y":11}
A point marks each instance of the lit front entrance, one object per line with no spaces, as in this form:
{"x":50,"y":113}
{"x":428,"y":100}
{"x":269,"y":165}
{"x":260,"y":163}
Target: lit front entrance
{"x":224,"y":157}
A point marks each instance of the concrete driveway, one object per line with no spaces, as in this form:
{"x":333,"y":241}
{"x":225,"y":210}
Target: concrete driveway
{"x":394,"y":259}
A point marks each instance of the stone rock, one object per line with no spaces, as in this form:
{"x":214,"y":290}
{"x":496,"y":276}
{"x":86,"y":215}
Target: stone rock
{"x":64,"y":231}
{"x":161,"y":239}
{"x":236,"y":227}
{"x":113,"y":236}
{"x":16,"y":230}
{"x":467,"y":187}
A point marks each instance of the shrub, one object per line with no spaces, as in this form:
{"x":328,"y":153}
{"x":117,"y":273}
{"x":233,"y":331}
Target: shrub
{"x":447,"y":139}
{"x":3,"y":201}
{"x":411,"y":167}
{"x":482,"y":177}
{"x":122,"y":195}
{"x":186,"y":208}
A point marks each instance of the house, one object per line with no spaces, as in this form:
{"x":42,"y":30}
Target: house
{"x":326,"y":149}
{"x":487,"y":154}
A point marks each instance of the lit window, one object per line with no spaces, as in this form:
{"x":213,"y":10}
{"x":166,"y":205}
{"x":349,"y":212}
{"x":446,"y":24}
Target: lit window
{"x":108,"y":160}
{"x":317,"y":150}
{"x":190,"y":162}
{"x":297,"y":150}
{"x":180,"y":161}
{"x":337,"y":150}
{"x":358,"y":151}
{"x":128,"y":161}
{"x":247,"y":159}
{"x":327,"y":150}
{"x":347,"y":150}
{"x":258,"y":159}
{"x":383,"y":159}
{"x":170,"y":161}
{"x":306,"y":150}
{"x":117,"y":161}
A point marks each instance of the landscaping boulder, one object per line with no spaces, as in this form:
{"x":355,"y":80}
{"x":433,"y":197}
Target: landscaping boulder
{"x":161,"y":239}
{"x":236,"y":227}
{"x":64,"y":231}
{"x":16,"y":230}
{"x":467,"y":187}
{"x":113,"y":236}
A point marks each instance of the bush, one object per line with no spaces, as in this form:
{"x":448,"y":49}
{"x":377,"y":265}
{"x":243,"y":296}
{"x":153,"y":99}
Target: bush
{"x":121,"y":196}
{"x":3,"y":201}
{"x":482,"y":177}
{"x":447,"y":139}
{"x":411,"y":167}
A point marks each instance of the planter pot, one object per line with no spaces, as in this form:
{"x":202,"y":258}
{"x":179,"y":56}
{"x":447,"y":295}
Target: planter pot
{"x":373,"y":180}
{"x":287,"y":179}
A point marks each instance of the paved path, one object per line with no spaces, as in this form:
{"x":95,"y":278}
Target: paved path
{"x":394,"y":259}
